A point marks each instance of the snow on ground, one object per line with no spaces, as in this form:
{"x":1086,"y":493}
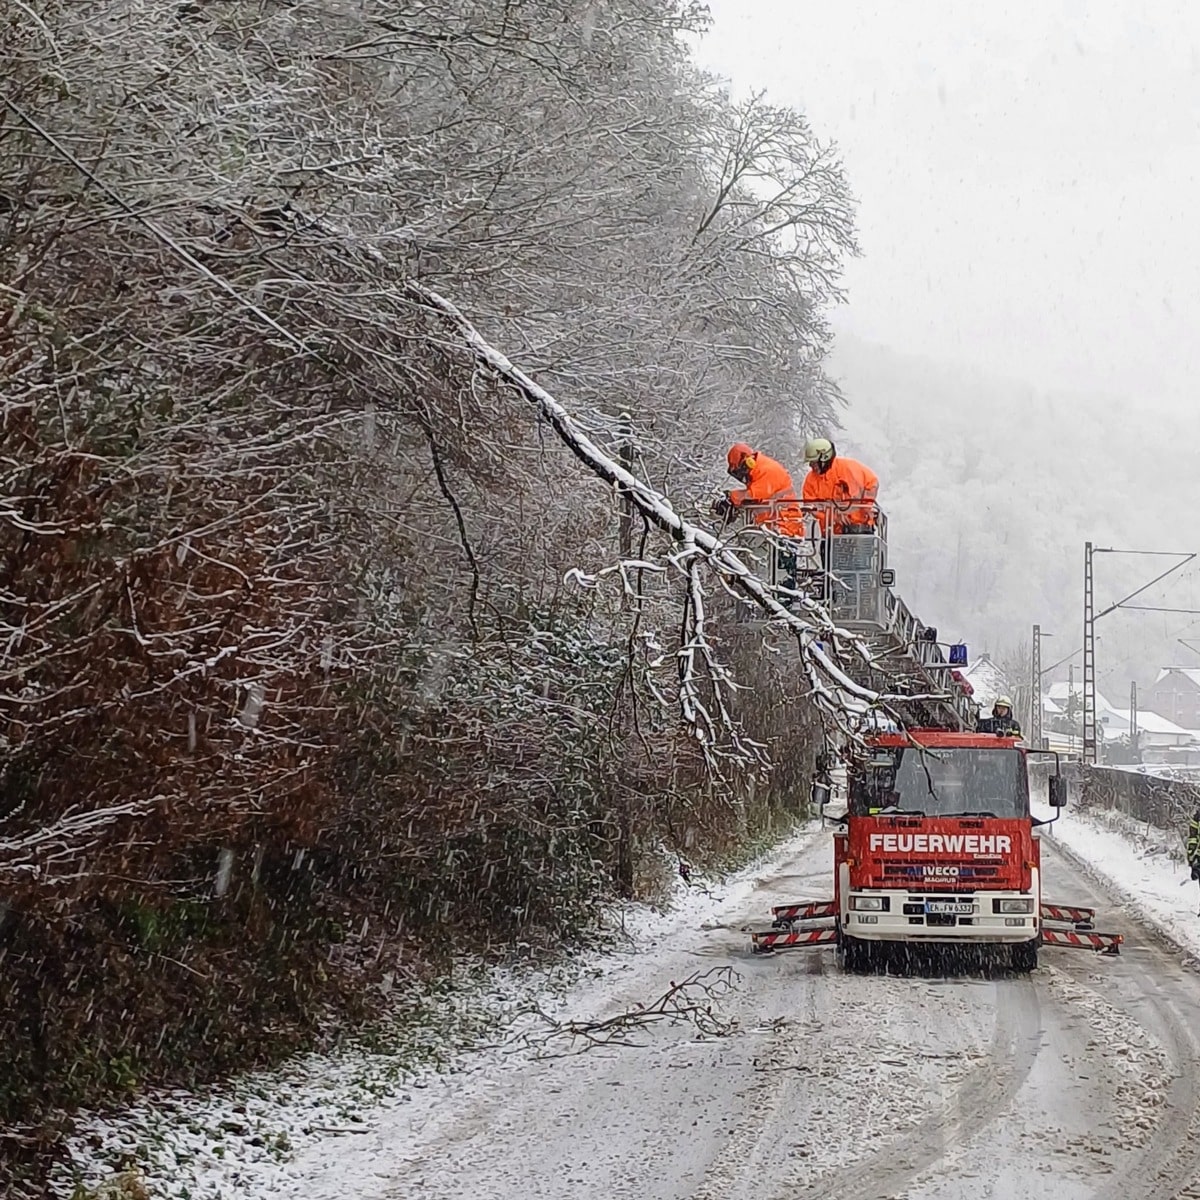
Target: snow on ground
{"x":819,"y":1071}
{"x":243,"y":1140}
{"x":1141,"y":863}
{"x":830,"y":1085}
{"x":819,"y":1083}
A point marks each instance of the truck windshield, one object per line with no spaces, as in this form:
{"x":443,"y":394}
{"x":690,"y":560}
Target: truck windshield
{"x":942,"y":783}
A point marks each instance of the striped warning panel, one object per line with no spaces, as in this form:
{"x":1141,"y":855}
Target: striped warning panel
{"x":1066,"y":912}
{"x":806,"y":910}
{"x":789,"y":941}
{"x":1083,"y":941}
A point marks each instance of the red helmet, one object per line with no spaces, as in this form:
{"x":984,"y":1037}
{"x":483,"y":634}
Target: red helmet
{"x":738,"y":453}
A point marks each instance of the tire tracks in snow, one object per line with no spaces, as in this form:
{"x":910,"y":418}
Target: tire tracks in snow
{"x":1169,"y":1167}
{"x":1159,"y":1106}
{"x":981,"y":1098}
{"x":1141,"y":1052}
{"x":776,"y":1150}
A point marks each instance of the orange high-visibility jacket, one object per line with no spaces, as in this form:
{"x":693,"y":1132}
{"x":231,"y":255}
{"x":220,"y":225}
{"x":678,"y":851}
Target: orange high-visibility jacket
{"x":771,"y":484}
{"x":844,"y":482}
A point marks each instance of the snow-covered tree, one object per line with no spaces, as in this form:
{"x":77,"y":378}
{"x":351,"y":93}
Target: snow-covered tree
{"x":285,"y":581}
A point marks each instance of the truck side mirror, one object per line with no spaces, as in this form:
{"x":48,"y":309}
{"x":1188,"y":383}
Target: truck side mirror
{"x":1058,"y":792}
{"x":820,"y":794}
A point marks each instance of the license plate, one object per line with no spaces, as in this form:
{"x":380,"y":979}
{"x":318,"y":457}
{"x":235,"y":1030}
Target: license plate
{"x":958,"y":908}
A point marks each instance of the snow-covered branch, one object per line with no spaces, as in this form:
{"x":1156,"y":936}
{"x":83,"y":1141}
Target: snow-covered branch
{"x":833,"y":688}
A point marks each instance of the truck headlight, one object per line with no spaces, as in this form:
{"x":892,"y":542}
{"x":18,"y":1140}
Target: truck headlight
{"x":1022,"y":905}
{"x":869,"y":903}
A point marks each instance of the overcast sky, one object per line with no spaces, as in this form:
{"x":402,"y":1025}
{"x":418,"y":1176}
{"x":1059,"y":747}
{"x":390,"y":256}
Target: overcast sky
{"x":1028,"y":174}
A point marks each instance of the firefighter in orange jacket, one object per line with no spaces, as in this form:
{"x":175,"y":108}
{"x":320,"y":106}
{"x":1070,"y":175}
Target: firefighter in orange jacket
{"x":839,"y":487}
{"x":768,"y":491}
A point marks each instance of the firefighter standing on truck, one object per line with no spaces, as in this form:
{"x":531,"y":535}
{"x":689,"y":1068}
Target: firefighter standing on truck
{"x":840,"y":488}
{"x":1002,"y":721}
{"x":1193,"y":845}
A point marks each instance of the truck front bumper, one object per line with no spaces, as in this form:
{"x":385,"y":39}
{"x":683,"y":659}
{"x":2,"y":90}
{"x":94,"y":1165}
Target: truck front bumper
{"x":915,"y":917}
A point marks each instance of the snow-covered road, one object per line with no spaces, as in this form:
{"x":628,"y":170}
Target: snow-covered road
{"x":1081,"y":1081}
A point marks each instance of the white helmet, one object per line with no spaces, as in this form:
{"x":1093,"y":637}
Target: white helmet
{"x":1003,"y":702}
{"x":818,"y":452}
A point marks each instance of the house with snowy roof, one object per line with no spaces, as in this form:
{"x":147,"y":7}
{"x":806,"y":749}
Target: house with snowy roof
{"x":1069,"y":697}
{"x":1176,"y":696}
{"x":988,"y":682}
{"x":1160,"y":739}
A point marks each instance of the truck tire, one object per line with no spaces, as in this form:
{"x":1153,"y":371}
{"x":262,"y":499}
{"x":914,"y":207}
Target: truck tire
{"x":1025,"y":956}
{"x":856,"y":954}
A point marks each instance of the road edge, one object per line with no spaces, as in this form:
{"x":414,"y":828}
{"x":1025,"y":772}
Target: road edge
{"x":1130,"y":904}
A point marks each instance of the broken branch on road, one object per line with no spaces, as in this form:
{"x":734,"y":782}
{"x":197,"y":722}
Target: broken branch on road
{"x":692,"y":1000}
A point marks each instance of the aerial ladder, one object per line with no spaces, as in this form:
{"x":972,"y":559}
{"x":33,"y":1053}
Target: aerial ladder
{"x":850,"y":575}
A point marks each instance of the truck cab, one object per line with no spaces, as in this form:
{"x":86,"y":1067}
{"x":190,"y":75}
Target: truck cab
{"x":938,"y":847}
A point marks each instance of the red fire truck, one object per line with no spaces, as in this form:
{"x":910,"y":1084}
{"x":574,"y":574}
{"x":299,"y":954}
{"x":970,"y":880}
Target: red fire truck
{"x":938,"y":848}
